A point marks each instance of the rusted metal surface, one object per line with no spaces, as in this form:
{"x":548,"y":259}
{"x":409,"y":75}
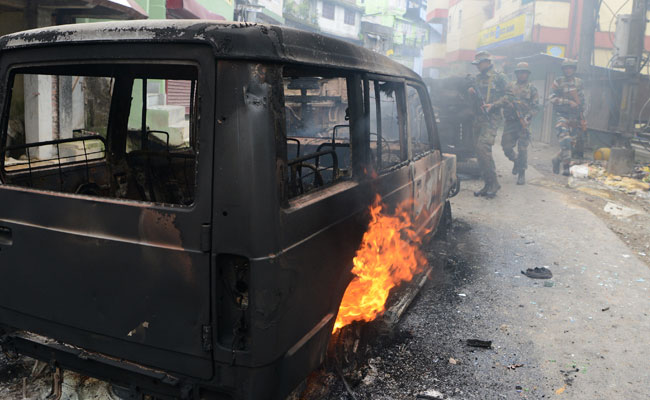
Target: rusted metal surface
{"x":235,"y":294}
{"x":236,"y":40}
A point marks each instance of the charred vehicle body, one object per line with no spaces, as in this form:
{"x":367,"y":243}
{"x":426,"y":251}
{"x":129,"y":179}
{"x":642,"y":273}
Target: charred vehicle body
{"x":180,"y":201}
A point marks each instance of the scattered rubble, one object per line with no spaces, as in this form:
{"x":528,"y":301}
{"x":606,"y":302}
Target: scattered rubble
{"x":638,"y":183}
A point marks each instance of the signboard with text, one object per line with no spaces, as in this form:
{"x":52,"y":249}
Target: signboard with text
{"x":510,"y":31}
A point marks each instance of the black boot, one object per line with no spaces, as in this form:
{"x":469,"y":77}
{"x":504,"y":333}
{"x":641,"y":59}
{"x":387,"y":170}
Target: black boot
{"x":492,"y":189}
{"x":521,"y":179}
{"x":515,"y":167}
{"x":566,"y":171}
{"x":482,"y":191}
{"x":556,"y":166}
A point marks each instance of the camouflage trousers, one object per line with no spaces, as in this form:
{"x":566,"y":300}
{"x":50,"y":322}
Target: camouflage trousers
{"x":514,"y":134}
{"x":486,"y":132}
{"x":567,"y":130}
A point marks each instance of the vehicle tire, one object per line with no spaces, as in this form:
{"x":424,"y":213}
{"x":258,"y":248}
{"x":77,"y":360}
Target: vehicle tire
{"x":445,"y":225}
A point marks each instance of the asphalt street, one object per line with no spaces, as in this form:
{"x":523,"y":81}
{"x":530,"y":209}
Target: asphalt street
{"x":581,"y":335}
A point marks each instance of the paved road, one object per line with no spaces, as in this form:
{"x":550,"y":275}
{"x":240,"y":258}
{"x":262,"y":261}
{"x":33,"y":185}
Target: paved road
{"x":584,"y":337}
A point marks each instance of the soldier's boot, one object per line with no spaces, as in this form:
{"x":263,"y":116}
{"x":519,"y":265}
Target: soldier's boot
{"x":483,"y":190}
{"x":556,"y":165}
{"x":565,"y":170}
{"x":521,"y":179}
{"x":515,"y":167}
{"x":492,"y":189}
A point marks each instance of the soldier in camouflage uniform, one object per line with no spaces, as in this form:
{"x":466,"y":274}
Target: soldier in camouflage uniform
{"x":568,"y":99}
{"x":520,"y":104}
{"x":489,"y":86}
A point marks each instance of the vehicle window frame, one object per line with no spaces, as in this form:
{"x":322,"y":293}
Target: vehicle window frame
{"x":400,"y":100}
{"x":196,"y":55}
{"x":356,"y":138}
{"x":429,"y":115}
{"x":427,"y":118}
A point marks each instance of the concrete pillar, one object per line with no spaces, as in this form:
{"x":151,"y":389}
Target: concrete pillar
{"x":65,"y":107}
{"x":78,"y":103}
{"x":38,"y":113}
{"x":621,"y":161}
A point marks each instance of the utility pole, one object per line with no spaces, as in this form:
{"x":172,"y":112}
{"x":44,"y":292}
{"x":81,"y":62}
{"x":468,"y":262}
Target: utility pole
{"x":587,"y":35}
{"x":632,"y":62}
{"x":621,"y":159}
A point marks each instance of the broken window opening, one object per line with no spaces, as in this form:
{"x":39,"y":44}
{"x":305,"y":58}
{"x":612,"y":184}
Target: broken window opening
{"x":418,"y":127}
{"x":387,"y":135}
{"x":105,"y":130}
{"x":317,"y":130}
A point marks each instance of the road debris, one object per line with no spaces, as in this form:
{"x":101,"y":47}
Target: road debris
{"x":538,"y":273}
{"x":486,"y":344}
{"x":430,"y":394}
{"x":605,"y":309}
{"x":620,"y":211}
{"x":514,"y":366}
{"x":453,"y":361}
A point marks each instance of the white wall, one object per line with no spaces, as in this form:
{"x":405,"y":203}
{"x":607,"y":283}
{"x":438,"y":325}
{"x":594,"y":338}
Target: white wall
{"x":337,"y":26}
{"x":38,"y":112}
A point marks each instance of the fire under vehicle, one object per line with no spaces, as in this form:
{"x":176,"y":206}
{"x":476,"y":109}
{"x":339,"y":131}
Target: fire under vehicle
{"x":180,"y":201}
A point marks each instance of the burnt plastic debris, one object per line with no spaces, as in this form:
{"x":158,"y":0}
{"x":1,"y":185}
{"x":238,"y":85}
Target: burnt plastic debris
{"x":486,"y":344}
{"x":538,"y":273}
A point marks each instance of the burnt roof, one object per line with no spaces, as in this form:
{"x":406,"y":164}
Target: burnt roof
{"x":238,"y":40}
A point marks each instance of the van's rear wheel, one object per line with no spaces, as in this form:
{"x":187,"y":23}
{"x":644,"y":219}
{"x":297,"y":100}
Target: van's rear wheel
{"x":445,"y":224}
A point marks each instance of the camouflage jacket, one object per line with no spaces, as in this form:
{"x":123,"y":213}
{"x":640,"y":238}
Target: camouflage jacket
{"x":492,"y":87}
{"x":563,"y":92}
{"x":520,"y":98}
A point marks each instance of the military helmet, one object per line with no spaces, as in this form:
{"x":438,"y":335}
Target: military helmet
{"x":522,"y":67}
{"x":568,"y":63}
{"x":482,"y":56}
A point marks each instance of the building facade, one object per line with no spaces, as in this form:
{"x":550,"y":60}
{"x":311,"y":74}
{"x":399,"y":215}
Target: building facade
{"x":519,"y":28}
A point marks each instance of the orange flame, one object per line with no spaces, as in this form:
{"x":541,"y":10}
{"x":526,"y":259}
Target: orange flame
{"x":389,"y":254}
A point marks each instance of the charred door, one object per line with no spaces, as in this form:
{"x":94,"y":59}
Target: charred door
{"x":426,"y":166}
{"x":111,"y":253}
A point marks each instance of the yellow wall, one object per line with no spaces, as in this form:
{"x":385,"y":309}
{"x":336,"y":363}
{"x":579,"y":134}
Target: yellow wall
{"x":552,"y":14}
{"x":472,"y":18}
{"x":435,"y":50}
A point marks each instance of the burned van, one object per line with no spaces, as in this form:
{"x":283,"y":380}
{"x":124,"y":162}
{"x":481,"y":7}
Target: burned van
{"x":180,"y":201}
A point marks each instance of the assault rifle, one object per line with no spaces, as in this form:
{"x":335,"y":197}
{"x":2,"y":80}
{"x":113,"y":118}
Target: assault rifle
{"x":477,"y":93}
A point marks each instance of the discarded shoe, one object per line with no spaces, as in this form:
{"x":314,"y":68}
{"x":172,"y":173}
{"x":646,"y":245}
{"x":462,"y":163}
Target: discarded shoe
{"x":556,"y":166}
{"x":538,"y":273}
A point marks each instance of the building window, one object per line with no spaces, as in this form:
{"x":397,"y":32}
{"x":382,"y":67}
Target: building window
{"x":460,"y":17}
{"x":328,"y":10}
{"x":348,"y":17}
{"x":498,"y":4}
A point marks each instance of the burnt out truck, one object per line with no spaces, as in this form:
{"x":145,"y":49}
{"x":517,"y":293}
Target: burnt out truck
{"x":180,"y":201}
